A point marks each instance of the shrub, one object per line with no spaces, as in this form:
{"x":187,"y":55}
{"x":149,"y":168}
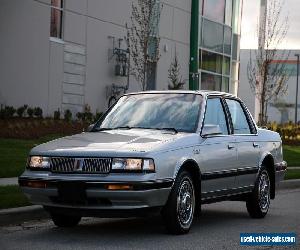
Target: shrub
{"x":21,"y":111}
{"x":289,"y":132}
{"x":7,"y":112}
{"x":56,"y":114}
{"x":30,"y":112}
{"x":68,"y":115}
{"x":86,"y":115}
{"x":97,"y":116}
{"x":38,"y":112}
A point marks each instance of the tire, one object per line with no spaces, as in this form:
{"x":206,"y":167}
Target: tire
{"x":178,"y":213}
{"x":258,"y":202}
{"x":61,"y":220}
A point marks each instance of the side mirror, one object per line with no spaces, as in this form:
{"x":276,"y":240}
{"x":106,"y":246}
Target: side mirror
{"x":90,"y":128}
{"x":211,"y":130}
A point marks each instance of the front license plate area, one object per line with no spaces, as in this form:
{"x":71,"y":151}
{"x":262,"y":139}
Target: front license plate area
{"x":72,"y":193}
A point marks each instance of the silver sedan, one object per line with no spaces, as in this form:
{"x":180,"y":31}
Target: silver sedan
{"x":159,"y":151}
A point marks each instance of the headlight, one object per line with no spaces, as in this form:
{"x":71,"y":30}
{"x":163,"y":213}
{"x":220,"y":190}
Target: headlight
{"x":39,"y":162}
{"x":130,"y":164}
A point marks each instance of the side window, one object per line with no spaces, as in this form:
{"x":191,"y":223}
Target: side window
{"x":214,"y":115}
{"x":238,"y":117}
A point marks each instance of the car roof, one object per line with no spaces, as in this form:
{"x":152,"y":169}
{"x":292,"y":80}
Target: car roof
{"x":199,"y":92}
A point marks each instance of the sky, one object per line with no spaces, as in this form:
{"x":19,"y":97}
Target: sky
{"x":291,"y":8}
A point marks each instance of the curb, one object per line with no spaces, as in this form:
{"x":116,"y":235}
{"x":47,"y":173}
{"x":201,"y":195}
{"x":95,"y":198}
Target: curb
{"x":13,"y":216}
{"x":289,"y":184}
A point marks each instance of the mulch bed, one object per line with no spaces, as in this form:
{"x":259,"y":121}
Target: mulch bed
{"x":33,"y":128}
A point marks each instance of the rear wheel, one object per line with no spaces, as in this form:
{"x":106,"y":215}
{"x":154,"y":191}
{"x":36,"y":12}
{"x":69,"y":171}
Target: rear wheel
{"x":259,"y":201}
{"x":178,"y":213}
{"x":61,"y":220}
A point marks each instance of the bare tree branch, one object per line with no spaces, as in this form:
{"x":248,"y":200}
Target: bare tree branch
{"x":266,"y":71}
{"x":142,"y":38}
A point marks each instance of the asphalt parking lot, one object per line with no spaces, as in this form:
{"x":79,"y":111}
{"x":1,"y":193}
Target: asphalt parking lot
{"x":218,"y":227}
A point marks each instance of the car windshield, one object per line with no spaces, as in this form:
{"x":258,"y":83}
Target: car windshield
{"x":177,"y":112}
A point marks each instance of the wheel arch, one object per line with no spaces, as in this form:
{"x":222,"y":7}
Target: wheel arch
{"x":268,"y":162}
{"x":191,"y":166}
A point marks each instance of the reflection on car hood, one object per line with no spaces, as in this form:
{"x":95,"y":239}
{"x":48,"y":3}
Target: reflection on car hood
{"x":134,"y":140}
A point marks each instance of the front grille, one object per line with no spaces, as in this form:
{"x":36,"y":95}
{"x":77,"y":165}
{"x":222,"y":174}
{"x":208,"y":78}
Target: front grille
{"x":80,"y":165}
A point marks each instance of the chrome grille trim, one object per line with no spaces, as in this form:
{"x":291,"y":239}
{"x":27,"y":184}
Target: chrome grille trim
{"x":80,"y":165}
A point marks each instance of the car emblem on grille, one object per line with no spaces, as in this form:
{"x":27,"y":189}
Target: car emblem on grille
{"x":78,"y":164}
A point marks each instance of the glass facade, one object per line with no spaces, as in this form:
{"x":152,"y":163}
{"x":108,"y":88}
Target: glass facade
{"x":219,"y":37}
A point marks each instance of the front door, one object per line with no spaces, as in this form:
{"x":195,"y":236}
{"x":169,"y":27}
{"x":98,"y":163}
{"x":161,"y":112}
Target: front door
{"x":218,"y":153}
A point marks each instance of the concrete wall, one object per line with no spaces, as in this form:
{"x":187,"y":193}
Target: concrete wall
{"x":174,"y":31}
{"x":67,"y":74}
{"x":24,"y":50}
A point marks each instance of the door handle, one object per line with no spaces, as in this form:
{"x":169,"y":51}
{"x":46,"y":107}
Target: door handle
{"x":230,"y":146}
{"x":255,"y":145}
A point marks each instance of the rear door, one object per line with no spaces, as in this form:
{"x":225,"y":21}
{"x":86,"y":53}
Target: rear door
{"x":248,"y":149}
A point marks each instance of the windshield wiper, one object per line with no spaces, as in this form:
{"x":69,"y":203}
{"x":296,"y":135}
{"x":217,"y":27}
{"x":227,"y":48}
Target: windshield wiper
{"x":101,"y":129}
{"x":121,"y":127}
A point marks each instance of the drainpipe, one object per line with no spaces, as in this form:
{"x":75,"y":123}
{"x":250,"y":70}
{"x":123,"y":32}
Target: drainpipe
{"x":194,"y":49}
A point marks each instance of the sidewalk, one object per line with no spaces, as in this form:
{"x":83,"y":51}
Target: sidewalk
{"x":8,"y":181}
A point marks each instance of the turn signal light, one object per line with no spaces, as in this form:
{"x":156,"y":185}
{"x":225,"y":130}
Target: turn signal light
{"x":34,"y":184}
{"x":118,"y":187}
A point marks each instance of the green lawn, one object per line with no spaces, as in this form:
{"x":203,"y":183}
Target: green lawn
{"x":12,"y":196}
{"x":14,"y":154}
{"x":292,"y":174}
{"x":291,"y":154}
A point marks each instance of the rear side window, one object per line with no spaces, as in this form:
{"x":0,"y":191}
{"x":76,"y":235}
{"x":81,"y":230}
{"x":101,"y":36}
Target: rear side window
{"x":214,"y":115}
{"x":239,"y":120}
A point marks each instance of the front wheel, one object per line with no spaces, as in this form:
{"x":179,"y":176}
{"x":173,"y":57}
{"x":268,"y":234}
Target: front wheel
{"x":61,"y":220}
{"x":258,"y":202}
{"x":178,"y":213}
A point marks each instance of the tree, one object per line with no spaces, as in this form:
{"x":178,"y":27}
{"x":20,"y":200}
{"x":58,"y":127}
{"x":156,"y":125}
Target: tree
{"x":174,"y":74}
{"x":266,"y":74}
{"x":143,"y":40}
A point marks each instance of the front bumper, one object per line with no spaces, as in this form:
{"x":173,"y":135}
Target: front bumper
{"x":280,"y":170}
{"x":97,"y":197}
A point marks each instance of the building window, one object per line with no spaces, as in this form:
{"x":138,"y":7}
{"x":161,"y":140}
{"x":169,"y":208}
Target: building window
{"x":219,"y":44}
{"x":211,"y":81}
{"x":236,"y":16}
{"x":227,"y":40}
{"x":214,"y":10}
{"x":226,"y":66}
{"x":212,"y":37}
{"x":228,"y":12}
{"x":225,"y":84}
{"x":56,"y":18}
{"x":211,"y":62}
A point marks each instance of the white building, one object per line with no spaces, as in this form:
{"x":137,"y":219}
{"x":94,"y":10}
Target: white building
{"x":281,"y":109}
{"x":55,"y":53}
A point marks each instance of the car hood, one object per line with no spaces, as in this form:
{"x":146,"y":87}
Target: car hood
{"x":134,"y":140}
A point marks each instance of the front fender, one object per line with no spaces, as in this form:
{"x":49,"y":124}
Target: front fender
{"x":183,"y":162}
